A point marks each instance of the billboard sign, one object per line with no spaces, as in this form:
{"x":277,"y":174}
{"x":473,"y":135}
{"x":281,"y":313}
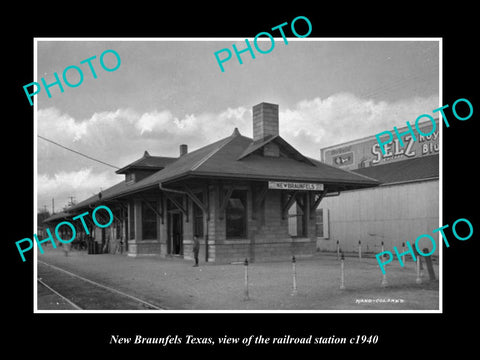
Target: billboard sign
{"x":366,"y":152}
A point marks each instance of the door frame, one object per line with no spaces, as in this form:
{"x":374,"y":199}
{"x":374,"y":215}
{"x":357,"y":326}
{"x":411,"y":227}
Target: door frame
{"x":174,"y":216}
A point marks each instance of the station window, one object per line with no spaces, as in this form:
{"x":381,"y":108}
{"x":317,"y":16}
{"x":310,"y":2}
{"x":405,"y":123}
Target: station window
{"x":296,"y":219}
{"x":118,"y":229}
{"x":149,"y":220}
{"x":131,"y":220}
{"x":129,"y":178}
{"x":236,"y":215}
{"x":321,"y":223}
{"x":198,"y":217}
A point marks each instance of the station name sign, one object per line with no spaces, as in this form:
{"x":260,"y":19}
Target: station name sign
{"x":283,"y":185}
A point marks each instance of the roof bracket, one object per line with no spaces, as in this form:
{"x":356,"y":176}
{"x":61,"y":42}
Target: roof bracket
{"x":196,"y":200}
{"x":177,"y":205}
{"x":286,"y":205}
{"x":159,"y":214}
{"x":258,"y":198}
{"x":224,"y":197}
{"x":316,"y":202}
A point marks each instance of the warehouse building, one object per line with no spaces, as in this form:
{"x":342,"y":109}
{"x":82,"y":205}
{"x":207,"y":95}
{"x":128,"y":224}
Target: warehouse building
{"x":243,"y":197}
{"x":403,"y":207}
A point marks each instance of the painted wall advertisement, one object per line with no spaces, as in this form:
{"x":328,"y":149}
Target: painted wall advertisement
{"x":366,"y":152}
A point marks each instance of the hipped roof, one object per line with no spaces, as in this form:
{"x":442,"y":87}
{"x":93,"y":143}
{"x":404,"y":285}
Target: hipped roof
{"x":224,"y":159}
{"x":235,"y":157}
{"x":147,"y":162}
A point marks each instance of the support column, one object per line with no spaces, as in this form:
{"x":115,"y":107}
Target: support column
{"x":163,"y":221}
{"x":307,"y":214}
{"x":137,"y":226}
{"x":124,"y":235}
{"x":138,"y":220}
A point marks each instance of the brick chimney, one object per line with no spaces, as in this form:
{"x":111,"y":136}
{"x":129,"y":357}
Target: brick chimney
{"x":183,"y":149}
{"x":265,"y":120}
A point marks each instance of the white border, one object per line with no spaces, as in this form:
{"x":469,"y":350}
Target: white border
{"x":440,"y":185}
{"x":35,"y":252}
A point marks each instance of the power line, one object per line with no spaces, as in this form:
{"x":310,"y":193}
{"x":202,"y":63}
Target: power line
{"x":374,"y":92}
{"x":77,"y":152}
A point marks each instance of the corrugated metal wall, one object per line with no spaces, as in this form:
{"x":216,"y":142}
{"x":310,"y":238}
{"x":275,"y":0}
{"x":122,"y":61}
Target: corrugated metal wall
{"x":393,"y":214}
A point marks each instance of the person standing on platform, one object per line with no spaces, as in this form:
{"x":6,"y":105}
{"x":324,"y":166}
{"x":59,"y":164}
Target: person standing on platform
{"x":196,"y":249}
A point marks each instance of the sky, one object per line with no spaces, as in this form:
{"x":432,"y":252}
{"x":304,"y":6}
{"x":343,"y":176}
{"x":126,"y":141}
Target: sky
{"x":169,"y":92}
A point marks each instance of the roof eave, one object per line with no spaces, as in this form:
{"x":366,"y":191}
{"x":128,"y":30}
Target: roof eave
{"x":255,"y":177}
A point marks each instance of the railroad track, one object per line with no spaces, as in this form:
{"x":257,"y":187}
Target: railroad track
{"x":85,"y":294}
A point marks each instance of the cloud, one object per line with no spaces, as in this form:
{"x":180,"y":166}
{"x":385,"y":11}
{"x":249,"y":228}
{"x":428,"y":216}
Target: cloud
{"x":82,"y":180}
{"x":120,"y":137}
{"x":81,"y":184}
{"x":55,"y":124}
{"x":154,"y":121}
{"x":316,"y":123}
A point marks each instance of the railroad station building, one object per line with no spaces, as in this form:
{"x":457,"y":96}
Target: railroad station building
{"x":404,"y":206}
{"x":243,"y":197}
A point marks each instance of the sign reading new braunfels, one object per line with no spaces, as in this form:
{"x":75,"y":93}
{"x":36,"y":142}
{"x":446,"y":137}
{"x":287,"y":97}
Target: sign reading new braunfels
{"x":282,"y":185}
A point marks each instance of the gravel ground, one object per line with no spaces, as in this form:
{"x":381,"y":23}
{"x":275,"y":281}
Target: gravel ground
{"x":51,"y":301}
{"x":174,"y":284}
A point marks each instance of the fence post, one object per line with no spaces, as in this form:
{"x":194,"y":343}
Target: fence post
{"x":384,"y":276}
{"x":419,"y":275}
{"x":294,"y":274}
{"x":246,"y":296}
{"x":342,"y":272}
{"x":428,"y":262}
{"x":359,"y":249}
